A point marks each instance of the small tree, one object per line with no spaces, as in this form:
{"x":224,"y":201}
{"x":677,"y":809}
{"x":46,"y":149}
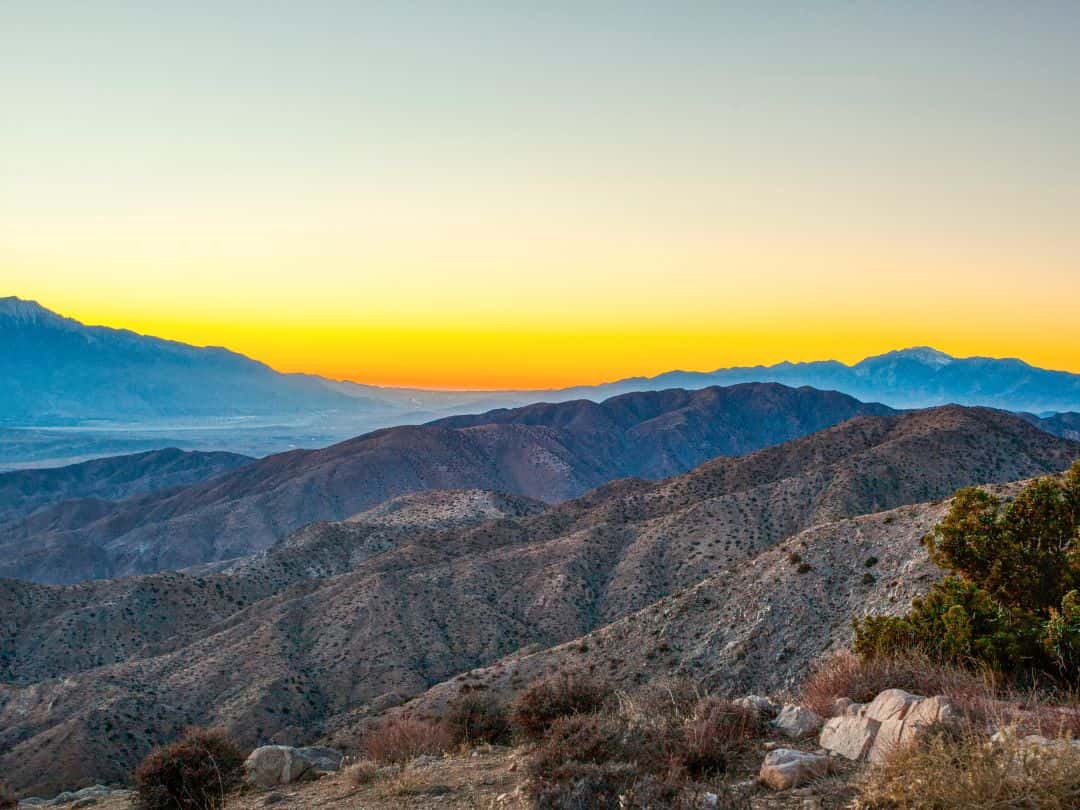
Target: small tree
{"x":1011,"y":600}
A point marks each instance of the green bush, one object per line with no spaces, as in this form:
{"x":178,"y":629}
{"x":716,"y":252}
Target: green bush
{"x":193,"y":773}
{"x":1011,"y":599}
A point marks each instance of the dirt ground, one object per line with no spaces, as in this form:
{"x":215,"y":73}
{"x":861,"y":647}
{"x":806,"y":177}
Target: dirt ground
{"x":485,"y":779}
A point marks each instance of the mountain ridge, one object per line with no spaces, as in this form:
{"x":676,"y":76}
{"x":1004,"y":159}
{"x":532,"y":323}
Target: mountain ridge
{"x":549,"y":452}
{"x":345,"y":620}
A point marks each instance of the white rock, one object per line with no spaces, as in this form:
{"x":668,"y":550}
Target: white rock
{"x":795,"y":721}
{"x":786,"y":768}
{"x":891,"y":719}
{"x":892,"y":704}
{"x":849,"y":735}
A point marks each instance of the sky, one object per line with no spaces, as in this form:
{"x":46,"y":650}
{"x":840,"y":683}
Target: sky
{"x":489,"y":195}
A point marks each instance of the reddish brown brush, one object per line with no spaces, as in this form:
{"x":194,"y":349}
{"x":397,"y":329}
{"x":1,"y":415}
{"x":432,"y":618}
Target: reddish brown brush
{"x":401,"y":739}
{"x":848,"y":675}
{"x":716,"y":729}
{"x":193,"y":773}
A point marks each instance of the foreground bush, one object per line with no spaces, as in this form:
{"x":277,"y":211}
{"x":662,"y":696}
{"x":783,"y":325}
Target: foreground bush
{"x":1012,"y":599}
{"x":193,"y":773}
{"x":606,"y":786}
{"x":716,"y":729}
{"x":478,"y":718}
{"x":955,"y":772}
{"x":591,"y":760}
{"x":630,"y":757}
{"x":403,"y":738}
{"x":549,"y":699}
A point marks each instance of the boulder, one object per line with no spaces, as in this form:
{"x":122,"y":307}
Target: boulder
{"x":323,"y":760}
{"x":795,"y":721}
{"x":786,"y":768}
{"x":849,"y":735}
{"x":273,"y":765}
{"x":761,"y":706}
{"x":892,"y":704}
{"x":891,"y":719}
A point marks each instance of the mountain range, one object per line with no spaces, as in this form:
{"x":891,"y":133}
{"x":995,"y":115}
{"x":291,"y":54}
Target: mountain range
{"x":71,"y":392}
{"x":548,"y":452}
{"x":737,"y":571}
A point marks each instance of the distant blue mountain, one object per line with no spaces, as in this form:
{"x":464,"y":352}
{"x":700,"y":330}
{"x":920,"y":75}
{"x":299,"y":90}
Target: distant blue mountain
{"x":919,"y":377}
{"x":56,"y":371}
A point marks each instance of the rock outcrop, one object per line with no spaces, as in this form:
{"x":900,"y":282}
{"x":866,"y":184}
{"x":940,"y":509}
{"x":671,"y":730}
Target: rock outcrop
{"x":894,"y":718}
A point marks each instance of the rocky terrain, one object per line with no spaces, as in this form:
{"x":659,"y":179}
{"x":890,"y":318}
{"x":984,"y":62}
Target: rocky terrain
{"x":547,"y":452}
{"x":713,"y":572}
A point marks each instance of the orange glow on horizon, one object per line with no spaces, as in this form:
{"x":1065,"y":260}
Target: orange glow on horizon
{"x":523,"y":358}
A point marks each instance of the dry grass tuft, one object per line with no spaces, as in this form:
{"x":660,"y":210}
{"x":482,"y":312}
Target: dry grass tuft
{"x":963,"y":770}
{"x":403,"y":738}
{"x":716,"y":729}
{"x":363,"y":772}
{"x":663,"y":699}
{"x":848,"y":675}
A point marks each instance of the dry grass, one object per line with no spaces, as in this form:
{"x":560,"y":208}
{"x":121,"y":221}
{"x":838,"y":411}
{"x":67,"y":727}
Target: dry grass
{"x":716,"y":729}
{"x":401,"y":739}
{"x":363,"y":772}
{"x":662,"y":699}
{"x":845,"y":674}
{"x":650,"y":752}
{"x":962,"y":770}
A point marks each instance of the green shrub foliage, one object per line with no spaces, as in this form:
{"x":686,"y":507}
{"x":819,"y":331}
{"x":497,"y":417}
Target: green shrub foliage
{"x":1011,"y":599}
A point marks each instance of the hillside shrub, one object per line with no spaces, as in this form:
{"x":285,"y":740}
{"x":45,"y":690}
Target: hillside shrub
{"x":605,"y":786}
{"x":1011,"y":599}
{"x":7,"y":798}
{"x":548,"y":699}
{"x":403,"y":738}
{"x":193,"y":773}
{"x":478,"y":718}
{"x":627,"y":757}
{"x":590,"y":760}
{"x":716,"y":729}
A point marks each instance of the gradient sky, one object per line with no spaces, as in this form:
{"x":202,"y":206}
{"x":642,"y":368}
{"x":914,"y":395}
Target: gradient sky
{"x":492,"y":195}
